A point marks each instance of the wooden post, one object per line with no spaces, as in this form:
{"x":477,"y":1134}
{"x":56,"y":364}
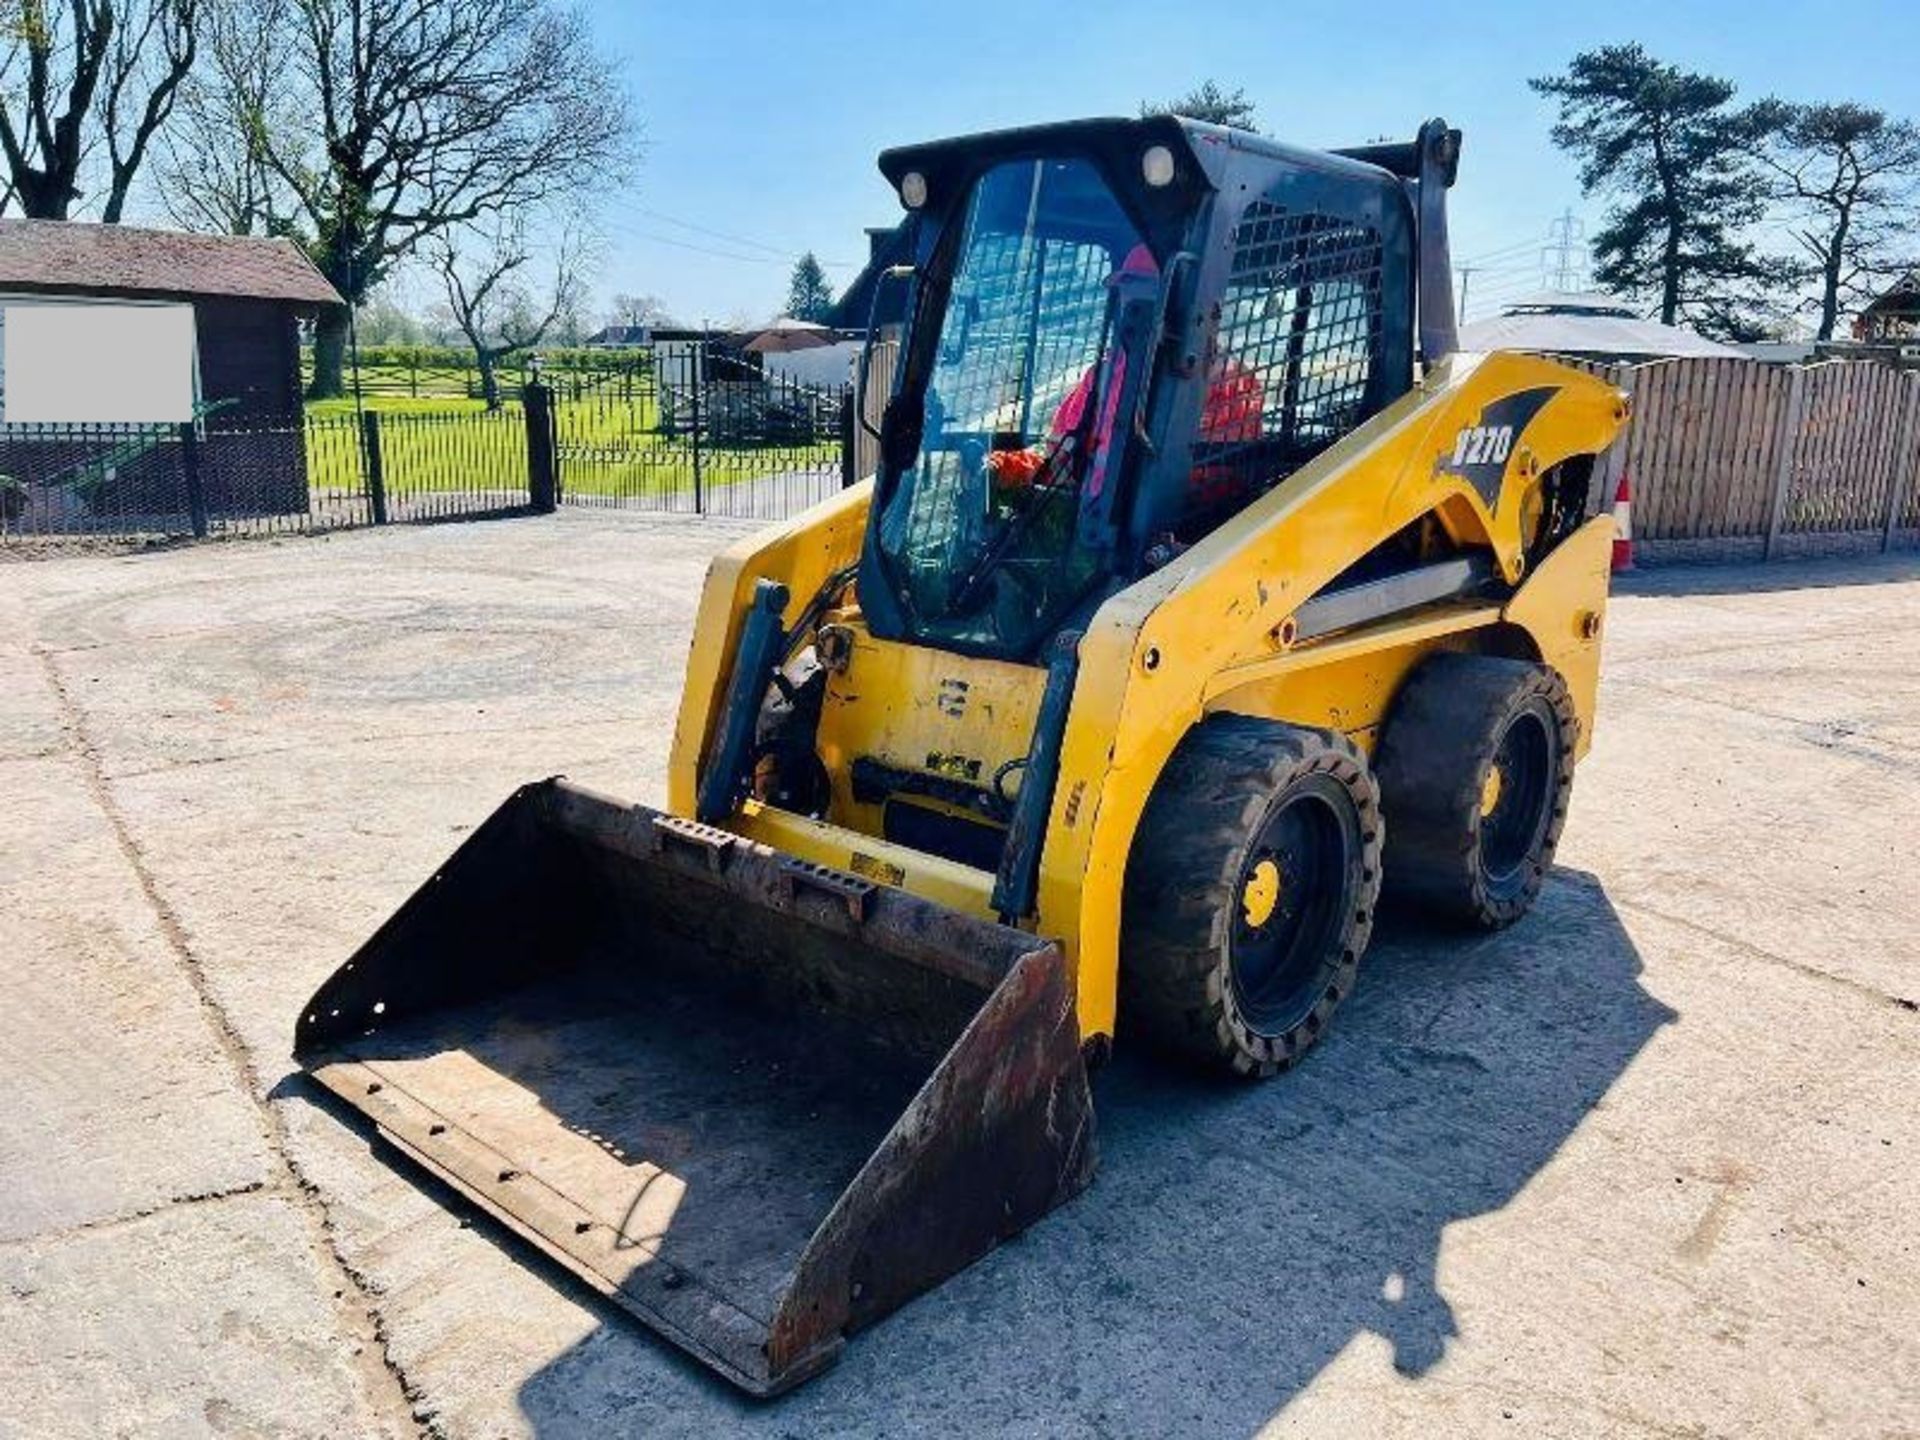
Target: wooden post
{"x":375,"y":465}
{"x":190,"y":472}
{"x":1784,"y":458}
{"x":1900,"y":486}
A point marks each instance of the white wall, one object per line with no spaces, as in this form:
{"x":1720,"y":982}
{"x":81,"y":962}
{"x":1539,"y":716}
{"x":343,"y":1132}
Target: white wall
{"x":81,"y":362}
{"x":822,"y":365}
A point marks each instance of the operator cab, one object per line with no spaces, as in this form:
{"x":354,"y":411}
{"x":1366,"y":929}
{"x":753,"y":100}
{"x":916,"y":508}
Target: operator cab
{"x":1120,"y":333}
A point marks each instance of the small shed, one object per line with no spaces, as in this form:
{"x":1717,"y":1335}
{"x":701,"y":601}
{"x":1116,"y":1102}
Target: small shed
{"x":620,"y":337}
{"x":150,"y":380}
{"x":1597,"y":327}
{"x":247,"y":296}
{"x":1892,"y":317}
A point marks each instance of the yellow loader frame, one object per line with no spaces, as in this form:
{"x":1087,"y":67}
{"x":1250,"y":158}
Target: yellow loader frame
{"x":1212,"y":631}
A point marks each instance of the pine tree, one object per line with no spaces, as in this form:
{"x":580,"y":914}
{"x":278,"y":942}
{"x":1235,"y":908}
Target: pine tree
{"x":1664,"y":144}
{"x":1210,"y":102}
{"x":809,"y":295}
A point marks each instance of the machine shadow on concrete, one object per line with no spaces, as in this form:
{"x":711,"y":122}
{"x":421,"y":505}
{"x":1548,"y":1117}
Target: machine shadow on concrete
{"x":1237,"y":1238}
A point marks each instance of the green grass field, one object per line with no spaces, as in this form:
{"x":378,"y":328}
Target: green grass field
{"x":397,"y":405}
{"x":446,"y":443}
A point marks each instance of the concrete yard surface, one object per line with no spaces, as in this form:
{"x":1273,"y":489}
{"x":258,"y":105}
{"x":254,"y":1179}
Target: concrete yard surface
{"x":1647,"y":1163}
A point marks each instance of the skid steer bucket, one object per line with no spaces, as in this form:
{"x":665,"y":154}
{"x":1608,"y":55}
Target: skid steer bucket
{"x":756,"y":1102}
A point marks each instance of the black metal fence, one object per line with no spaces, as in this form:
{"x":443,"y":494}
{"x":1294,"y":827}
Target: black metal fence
{"x":259,"y":477}
{"x":428,"y":373}
{"x":704,"y":430}
{"x":698,"y":431}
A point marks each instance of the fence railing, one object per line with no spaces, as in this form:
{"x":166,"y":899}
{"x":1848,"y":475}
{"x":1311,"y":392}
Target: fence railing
{"x":1728,"y":458}
{"x":1737,"y":458}
{"x":702,"y":431}
{"x":261,"y":476}
{"x":701,"y":434}
{"x":407,"y":373}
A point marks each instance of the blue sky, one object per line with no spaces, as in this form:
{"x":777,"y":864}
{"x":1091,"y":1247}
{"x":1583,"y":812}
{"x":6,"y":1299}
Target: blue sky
{"x":762,"y":120}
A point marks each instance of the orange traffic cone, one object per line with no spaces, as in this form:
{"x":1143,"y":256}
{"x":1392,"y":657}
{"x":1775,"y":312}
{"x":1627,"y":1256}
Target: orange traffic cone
{"x":1623,"y":526}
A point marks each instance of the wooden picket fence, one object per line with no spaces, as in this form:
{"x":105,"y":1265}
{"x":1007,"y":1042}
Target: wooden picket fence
{"x":1736,"y":459}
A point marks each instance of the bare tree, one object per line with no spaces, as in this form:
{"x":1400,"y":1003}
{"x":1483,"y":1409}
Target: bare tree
{"x":55,"y":55}
{"x":1850,"y":178}
{"x":213,"y":170}
{"x":640,"y":310}
{"x":432,"y":116}
{"x":491,"y":298}
{"x":87,"y":83}
{"x":155,"y":44}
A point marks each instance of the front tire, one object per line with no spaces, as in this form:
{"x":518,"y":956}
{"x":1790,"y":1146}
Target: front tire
{"x":1250,"y":894}
{"x":1476,"y":769}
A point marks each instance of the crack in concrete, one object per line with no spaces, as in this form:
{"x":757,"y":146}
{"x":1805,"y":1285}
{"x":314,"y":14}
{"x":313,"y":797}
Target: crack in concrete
{"x":145,"y":1212}
{"x":382,"y":738}
{"x":388,"y":1391}
{"x":1753,"y":951}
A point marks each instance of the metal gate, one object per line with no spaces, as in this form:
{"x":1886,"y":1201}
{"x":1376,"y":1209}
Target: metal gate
{"x":701,"y":429}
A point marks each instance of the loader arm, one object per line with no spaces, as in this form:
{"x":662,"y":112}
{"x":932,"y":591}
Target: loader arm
{"x":803,"y":554}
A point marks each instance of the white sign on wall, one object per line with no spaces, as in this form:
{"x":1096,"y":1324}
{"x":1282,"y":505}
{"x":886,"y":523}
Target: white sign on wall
{"x":65,"y":363}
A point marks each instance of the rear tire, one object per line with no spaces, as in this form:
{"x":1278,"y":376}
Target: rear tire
{"x":1250,"y":894}
{"x":1475,"y":769}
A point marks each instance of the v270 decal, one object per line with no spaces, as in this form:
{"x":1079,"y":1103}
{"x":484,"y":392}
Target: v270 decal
{"x":1481,"y":450}
{"x":1483,"y":445}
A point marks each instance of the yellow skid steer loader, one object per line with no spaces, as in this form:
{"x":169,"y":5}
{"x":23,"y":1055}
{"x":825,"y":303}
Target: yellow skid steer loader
{"x":1202,"y":588}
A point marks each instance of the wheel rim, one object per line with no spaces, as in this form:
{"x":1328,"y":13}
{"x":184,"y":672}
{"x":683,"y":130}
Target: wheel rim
{"x":1293,"y":896}
{"x":1516,"y":798}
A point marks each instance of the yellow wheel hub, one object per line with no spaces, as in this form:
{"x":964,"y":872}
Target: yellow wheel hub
{"x":1261,"y":896}
{"x":1490,"y":792}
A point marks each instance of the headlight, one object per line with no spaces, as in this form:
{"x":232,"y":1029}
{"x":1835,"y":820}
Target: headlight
{"x":913,"y":190}
{"x":1156,"y":165}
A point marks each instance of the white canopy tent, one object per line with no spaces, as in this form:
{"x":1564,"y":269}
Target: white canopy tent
{"x":1603,"y":327}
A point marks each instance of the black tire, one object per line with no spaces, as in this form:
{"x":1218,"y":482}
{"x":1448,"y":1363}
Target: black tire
{"x":1475,"y":768}
{"x":1223,"y":961}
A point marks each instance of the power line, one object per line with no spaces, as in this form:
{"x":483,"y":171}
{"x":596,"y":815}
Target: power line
{"x":731,"y":239}
{"x":653,"y":239}
{"x":774,"y":254}
{"x":1556,"y":263}
{"x":1509,"y":290}
{"x":1529,"y":263}
{"x":1504,"y":250}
